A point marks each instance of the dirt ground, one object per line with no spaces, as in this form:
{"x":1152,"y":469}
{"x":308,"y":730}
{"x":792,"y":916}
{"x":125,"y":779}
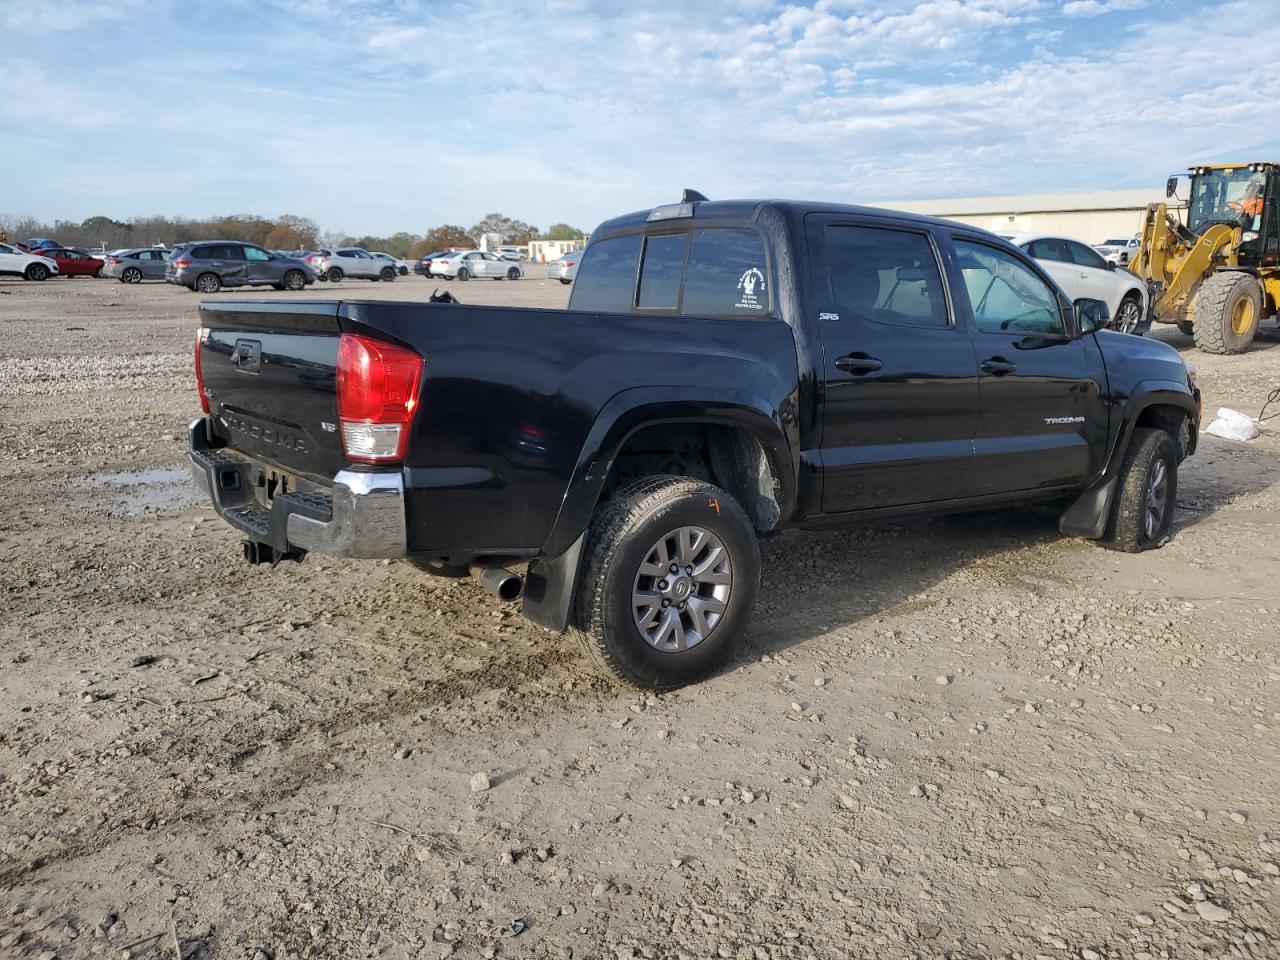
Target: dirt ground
{"x":961,"y":737}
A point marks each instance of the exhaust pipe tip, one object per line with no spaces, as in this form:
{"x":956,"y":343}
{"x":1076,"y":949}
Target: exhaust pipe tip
{"x":498,"y":582}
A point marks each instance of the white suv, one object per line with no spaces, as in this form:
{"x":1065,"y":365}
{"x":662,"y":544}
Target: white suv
{"x":29,"y":266}
{"x":355,"y":262}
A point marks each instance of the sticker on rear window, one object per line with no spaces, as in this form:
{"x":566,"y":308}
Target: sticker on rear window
{"x":751,"y":286}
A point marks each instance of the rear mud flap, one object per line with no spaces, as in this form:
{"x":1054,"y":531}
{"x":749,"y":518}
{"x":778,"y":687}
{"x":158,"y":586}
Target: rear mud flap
{"x":548,"y":587}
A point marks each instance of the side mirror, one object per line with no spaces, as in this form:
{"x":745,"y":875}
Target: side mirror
{"x":1111,"y":265}
{"x":1092,"y":314}
{"x":1171,"y":186}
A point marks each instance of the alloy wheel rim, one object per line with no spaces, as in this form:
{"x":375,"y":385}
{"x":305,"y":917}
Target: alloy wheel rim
{"x":681,"y":589}
{"x":207,"y":285}
{"x":1128,"y":316}
{"x":1156,"y":501}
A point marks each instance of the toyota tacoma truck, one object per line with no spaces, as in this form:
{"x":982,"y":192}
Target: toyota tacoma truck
{"x":723,"y":370}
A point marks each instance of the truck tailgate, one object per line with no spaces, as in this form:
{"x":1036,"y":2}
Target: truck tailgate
{"x":269,"y":373}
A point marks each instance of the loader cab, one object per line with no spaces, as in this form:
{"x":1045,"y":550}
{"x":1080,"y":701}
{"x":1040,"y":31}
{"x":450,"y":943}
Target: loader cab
{"x":1244,"y":196}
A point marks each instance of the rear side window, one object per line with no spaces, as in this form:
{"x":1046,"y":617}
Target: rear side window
{"x":204,"y":253}
{"x":606,"y":280}
{"x":726,"y":274}
{"x":661,"y":271}
{"x":886,"y":275}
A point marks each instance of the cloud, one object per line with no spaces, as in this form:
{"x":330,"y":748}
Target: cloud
{"x":1094,"y":8}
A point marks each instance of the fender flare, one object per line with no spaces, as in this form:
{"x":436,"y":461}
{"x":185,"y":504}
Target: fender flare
{"x":552,"y":576}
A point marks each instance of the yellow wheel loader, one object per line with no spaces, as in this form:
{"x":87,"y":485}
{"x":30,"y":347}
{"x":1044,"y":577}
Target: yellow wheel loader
{"x":1218,"y":275}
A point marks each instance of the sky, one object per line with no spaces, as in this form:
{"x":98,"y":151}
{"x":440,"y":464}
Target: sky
{"x":373,"y":116}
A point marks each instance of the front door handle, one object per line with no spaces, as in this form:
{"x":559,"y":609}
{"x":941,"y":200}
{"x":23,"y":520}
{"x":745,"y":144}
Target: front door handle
{"x":998,"y":366}
{"x":858,"y":363}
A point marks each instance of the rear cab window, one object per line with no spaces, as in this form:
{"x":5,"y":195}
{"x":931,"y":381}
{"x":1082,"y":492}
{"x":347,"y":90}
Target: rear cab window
{"x":885,"y":274}
{"x":707,"y":271}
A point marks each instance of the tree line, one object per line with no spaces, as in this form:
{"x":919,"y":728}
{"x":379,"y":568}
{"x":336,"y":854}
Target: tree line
{"x":286,"y":232}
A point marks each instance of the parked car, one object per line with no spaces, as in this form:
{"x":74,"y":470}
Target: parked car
{"x":354,"y":262}
{"x":1118,"y":251}
{"x":512,"y":253}
{"x":756,"y":366}
{"x":210,"y":265}
{"x":134,"y":266}
{"x":564,"y":268}
{"x":465,"y":264}
{"x":40,"y":243}
{"x":424,"y":265}
{"x":15,"y":262}
{"x":1082,"y":272}
{"x":72,"y":262}
{"x":402,"y":266}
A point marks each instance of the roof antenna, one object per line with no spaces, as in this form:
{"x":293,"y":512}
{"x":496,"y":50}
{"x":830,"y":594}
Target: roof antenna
{"x":691,"y":196}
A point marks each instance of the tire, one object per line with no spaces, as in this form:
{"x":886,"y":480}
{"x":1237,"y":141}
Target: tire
{"x":513,"y":273}
{"x":464,"y":274}
{"x":208,"y":283}
{"x":131,"y":275}
{"x":97,"y":274}
{"x":404,"y":271}
{"x":565,"y":282}
{"x":294,"y":280}
{"x":1187,"y":327}
{"x":1228,"y":308}
{"x":387,"y":273}
{"x":1144,"y":505}
{"x":334,"y":275}
{"x":1128,"y":317}
{"x":635,"y":528}
{"x":37,"y":272}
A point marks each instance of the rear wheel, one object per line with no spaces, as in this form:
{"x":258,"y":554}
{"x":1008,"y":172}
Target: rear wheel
{"x":464,"y":273}
{"x":334,"y":275}
{"x":565,"y":282}
{"x":668,"y":582}
{"x":1129,"y":315}
{"x":1228,"y":308}
{"x":37,"y":271}
{"x":208,"y":283}
{"x":131,"y":275}
{"x":1146,"y":493}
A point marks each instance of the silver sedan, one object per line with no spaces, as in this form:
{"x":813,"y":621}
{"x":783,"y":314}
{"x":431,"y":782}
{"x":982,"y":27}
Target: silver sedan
{"x":466,"y":264}
{"x":134,"y":266}
{"x":565,"y":268}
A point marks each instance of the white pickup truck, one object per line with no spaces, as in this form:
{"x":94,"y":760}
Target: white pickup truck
{"x":354,"y":262}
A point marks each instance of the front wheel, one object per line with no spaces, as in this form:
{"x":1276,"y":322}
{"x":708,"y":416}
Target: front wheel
{"x":565,"y":282}
{"x":294,"y":280}
{"x":387,"y":273}
{"x":37,"y":271}
{"x":1129,"y":315}
{"x":668,"y":582}
{"x":1187,"y":327}
{"x":513,"y":273}
{"x":1228,"y":308}
{"x":1147,"y":488}
{"x":464,"y":274}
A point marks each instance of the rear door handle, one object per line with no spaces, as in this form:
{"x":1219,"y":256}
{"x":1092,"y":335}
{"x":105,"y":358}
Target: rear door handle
{"x":998,"y":366}
{"x":858,"y":363}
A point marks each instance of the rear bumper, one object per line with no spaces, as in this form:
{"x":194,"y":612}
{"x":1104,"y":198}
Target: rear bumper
{"x":361,"y":515}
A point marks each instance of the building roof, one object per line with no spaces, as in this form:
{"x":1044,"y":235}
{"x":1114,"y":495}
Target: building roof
{"x":1032,"y":203}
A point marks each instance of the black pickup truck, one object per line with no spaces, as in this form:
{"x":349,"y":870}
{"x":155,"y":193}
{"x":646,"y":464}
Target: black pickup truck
{"x":724,"y":370}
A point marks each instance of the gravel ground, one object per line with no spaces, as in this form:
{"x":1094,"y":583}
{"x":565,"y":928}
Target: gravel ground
{"x":962,"y":737}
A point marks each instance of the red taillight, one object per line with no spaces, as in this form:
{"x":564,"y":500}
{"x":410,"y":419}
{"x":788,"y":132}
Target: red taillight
{"x":204,"y":400}
{"x":378,"y":387}
{"x":113,"y":260}
{"x":182,"y":263}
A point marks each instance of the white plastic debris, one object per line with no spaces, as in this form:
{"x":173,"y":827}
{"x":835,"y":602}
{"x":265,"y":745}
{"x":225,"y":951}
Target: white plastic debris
{"x":1233,"y":425}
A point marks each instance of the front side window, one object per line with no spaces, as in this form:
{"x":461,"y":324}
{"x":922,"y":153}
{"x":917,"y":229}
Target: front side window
{"x":5,"y":248}
{"x":606,"y":280}
{"x":1005,"y":295}
{"x":885,"y":275}
{"x":726,"y":274}
{"x":1085,"y":257}
{"x":661,"y":271}
{"x":253,"y":253}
